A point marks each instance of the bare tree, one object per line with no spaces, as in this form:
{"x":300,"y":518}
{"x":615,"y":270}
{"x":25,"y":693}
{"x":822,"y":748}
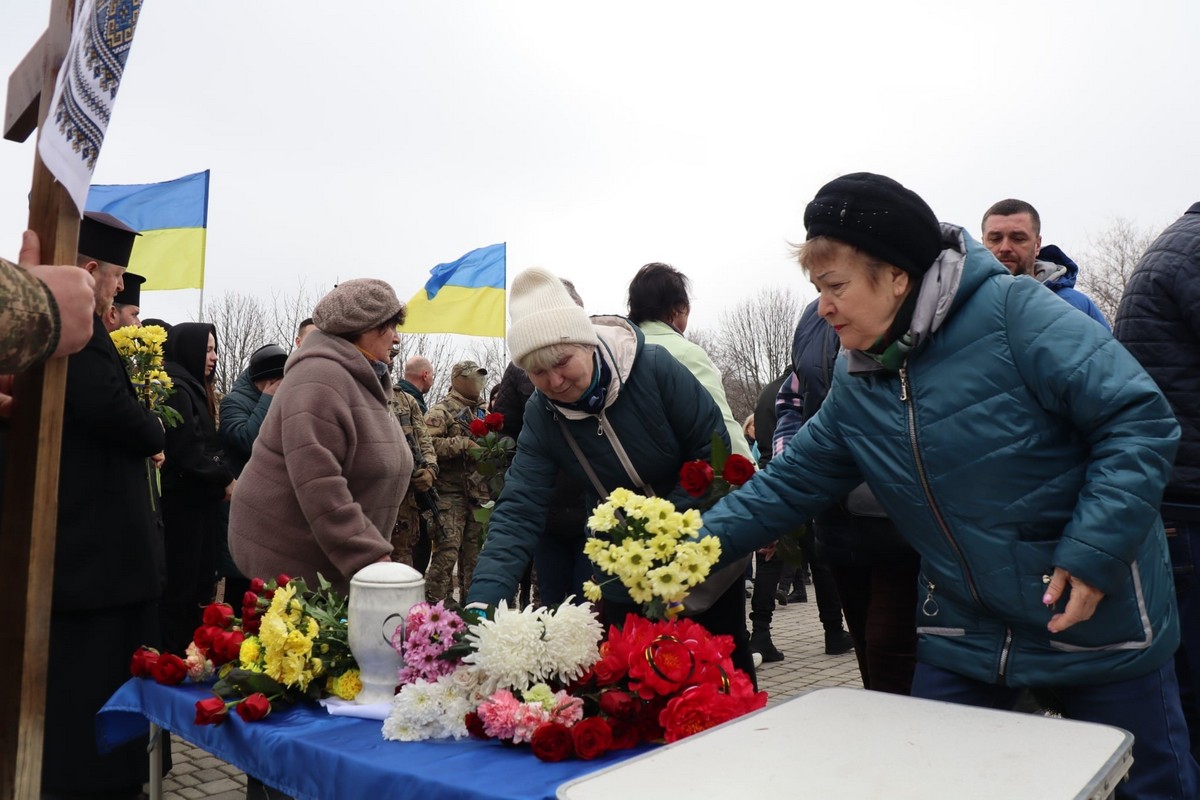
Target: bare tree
{"x":287,"y":310}
{"x":754,"y":345}
{"x":240,"y":322}
{"x":1109,"y":261}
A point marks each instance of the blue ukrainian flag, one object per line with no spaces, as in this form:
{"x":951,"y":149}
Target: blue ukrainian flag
{"x":172,"y":217}
{"x":465,"y":296}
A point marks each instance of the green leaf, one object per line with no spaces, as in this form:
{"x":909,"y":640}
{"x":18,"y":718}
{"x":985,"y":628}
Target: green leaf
{"x":719,"y":453}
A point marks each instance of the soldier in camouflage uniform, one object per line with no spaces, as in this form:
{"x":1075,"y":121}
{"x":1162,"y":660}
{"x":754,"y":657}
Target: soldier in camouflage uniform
{"x":461,"y":488}
{"x":425,"y":469}
{"x":44,"y":311}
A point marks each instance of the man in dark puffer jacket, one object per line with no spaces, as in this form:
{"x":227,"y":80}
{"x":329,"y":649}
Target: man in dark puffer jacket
{"x":1159,"y":322}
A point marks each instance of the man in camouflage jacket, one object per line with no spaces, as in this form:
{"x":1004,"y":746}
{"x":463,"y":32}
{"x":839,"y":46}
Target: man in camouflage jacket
{"x":461,"y":488}
{"x":407,"y":531}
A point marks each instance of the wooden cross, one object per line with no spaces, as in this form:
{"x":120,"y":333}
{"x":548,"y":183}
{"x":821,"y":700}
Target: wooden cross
{"x":27,"y":531}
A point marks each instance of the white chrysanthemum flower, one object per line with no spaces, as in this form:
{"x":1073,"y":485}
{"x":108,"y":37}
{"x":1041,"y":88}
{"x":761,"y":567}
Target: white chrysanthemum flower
{"x":572,"y":640}
{"x":509,"y":650}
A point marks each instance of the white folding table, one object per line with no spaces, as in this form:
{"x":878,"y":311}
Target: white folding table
{"x":854,"y":744}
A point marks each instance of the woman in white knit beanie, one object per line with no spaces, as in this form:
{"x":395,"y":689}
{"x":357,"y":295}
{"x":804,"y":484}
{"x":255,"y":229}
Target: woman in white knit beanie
{"x":599,"y":384}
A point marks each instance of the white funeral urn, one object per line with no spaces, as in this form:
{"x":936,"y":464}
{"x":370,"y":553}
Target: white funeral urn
{"x":380,"y":596}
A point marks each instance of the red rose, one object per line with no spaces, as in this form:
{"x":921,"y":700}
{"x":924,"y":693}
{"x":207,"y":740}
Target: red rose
{"x":218,"y":615}
{"x":169,"y":669}
{"x":624,"y":734}
{"x":615,"y":703}
{"x":592,"y":737}
{"x":142,"y":663}
{"x":552,"y":741}
{"x":254,"y":707}
{"x":249,"y":600}
{"x":494,"y":421}
{"x":251,"y":624}
{"x":211,"y":711}
{"x":479,"y":428}
{"x":696,"y":477}
{"x":283,"y":579}
{"x":474,"y":725}
{"x":610,"y":669}
{"x":226,"y":646}
{"x":203,"y":637}
{"x":738,"y":470}
{"x":257,"y":585}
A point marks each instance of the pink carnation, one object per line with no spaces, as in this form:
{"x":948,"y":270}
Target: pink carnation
{"x":499,"y":714}
{"x":529,"y":717}
{"x":568,"y":710}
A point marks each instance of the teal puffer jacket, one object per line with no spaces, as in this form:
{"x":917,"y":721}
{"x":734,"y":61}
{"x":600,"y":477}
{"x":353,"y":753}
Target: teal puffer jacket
{"x":661,"y":415}
{"x":1020,"y":436}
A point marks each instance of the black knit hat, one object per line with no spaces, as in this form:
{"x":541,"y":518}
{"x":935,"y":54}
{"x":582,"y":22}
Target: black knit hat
{"x":267,"y":362}
{"x":878,"y":216}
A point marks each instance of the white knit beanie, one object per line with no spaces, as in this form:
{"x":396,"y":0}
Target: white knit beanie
{"x":542,"y":313}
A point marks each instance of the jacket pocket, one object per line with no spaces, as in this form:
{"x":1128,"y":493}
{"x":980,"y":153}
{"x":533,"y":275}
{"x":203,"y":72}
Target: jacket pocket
{"x":1121,"y":621}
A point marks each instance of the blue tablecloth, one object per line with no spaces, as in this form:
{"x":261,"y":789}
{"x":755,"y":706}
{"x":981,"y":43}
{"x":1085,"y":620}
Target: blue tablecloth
{"x":311,"y":755}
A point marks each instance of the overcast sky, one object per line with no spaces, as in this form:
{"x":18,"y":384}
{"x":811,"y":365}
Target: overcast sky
{"x":377,"y":139}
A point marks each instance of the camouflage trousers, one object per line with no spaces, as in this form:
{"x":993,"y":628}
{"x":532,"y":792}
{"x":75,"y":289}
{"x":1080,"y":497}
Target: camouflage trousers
{"x":407,"y":532}
{"x":457,"y":544}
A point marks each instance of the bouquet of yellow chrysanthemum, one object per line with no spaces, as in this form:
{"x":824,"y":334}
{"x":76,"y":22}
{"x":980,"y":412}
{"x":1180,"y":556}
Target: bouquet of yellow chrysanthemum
{"x":141,"y":348}
{"x":651,"y":548}
{"x":296,"y":647}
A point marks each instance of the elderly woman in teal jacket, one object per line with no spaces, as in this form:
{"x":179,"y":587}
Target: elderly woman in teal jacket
{"x":1019,"y":449}
{"x":634,"y":413}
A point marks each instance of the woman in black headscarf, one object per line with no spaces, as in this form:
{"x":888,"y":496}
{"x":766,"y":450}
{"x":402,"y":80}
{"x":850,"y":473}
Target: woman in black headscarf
{"x":195,"y":482}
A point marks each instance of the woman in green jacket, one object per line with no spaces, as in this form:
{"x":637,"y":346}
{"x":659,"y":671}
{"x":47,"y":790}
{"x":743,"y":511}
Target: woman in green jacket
{"x":1018,"y":448}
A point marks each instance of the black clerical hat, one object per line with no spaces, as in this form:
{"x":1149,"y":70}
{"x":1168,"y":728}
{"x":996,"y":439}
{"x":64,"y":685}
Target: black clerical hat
{"x":131,"y":295}
{"x":105,"y":238}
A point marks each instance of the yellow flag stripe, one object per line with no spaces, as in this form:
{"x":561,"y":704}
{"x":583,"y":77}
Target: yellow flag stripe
{"x":170,"y":258}
{"x":457,"y":309}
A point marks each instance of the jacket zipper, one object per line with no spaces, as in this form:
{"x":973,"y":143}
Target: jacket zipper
{"x":911,"y":414}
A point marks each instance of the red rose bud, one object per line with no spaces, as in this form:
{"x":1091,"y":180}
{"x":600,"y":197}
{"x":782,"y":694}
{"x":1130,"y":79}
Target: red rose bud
{"x":142,"y":663}
{"x":615,"y":703}
{"x":254,"y":707}
{"x":218,"y":615}
{"x":249,"y":600}
{"x":738,"y":469}
{"x":592,"y":737}
{"x":257,"y":585}
{"x":169,"y":669}
{"x":283,"y":579}
{"x":552,"y":741}
{"x":226,"y":646}
{"x":696,"y":477}
{"x":474,"y":726}
{"x":211,"y":711}
{"x":251,"y":625}
{"x":479,"y":428}
{"x":494,"y":421}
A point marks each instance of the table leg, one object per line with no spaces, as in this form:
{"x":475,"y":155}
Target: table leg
{"x":156,"y":758}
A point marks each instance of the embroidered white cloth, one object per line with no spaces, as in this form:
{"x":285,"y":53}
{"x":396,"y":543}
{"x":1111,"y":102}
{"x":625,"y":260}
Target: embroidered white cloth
{"x":85,"y":91}
{"x":348,"y":708}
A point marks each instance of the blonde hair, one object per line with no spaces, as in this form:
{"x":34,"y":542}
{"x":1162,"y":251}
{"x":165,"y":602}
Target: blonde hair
{"x":547,"y":357}
{"x":823,"y":250}
{"x":747,"y":423}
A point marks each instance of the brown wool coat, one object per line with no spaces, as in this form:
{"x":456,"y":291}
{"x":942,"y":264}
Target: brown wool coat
{"x":327,"y":472}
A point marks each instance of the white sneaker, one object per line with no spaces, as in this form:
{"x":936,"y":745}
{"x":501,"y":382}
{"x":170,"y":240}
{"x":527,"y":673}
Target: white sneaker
{"x":757,"y":659}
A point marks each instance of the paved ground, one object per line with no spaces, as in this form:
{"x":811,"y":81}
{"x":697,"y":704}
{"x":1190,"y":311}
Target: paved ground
{"x":796,"y":632}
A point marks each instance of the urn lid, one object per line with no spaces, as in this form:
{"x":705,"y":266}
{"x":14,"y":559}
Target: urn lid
{"x":390,"y":575}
